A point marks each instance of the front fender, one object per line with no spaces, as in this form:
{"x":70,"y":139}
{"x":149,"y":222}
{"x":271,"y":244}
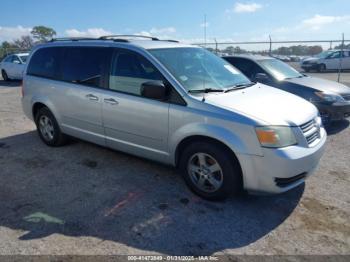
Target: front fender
{"x":228,"y":137}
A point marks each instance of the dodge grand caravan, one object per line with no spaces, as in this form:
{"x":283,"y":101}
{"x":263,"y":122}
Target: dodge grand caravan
{"x":177,"y":104}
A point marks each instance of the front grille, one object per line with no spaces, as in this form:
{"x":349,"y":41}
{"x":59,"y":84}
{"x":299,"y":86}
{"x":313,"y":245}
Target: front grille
{"x":311,"y":131}
{"x":284,"y":182}
{"x":346,"y":97}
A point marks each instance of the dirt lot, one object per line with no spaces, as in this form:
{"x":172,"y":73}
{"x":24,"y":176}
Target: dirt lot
{"x":84,"y":199}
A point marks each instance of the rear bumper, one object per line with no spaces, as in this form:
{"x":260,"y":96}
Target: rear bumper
{"x":336,"y":111}
{"x":280,"y":170}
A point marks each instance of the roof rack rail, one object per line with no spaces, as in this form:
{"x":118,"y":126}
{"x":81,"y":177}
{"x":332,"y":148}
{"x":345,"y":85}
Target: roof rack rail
{"x":72,"y":39}
{"x":112,"y":37}
{"x":171,"y":40}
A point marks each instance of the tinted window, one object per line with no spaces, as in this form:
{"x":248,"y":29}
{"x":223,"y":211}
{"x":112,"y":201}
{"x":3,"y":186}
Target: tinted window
{"x":247,"y":67}
{"x":85,"y":65}
{"x":129,"y":70}
{"x":8,"y":59}
{"x":46,"y":62}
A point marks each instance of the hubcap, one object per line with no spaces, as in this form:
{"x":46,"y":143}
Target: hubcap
{"x":46,"y":128}
{"x":205,"y":172}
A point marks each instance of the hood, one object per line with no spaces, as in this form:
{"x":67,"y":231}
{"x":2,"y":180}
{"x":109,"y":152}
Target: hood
{"x":310,"y":59}
{"x":321,"y":84}
{"x":264,"y":103}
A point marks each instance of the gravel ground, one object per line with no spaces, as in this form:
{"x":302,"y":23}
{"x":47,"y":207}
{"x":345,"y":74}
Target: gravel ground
{"x":87,"y":200}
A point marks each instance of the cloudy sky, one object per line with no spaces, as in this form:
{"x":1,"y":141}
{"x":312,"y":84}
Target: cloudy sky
{"x":227,"y":20}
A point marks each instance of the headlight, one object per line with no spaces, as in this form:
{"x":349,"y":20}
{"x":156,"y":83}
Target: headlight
{"x":275,"y":136}
{"x":327,"y":97}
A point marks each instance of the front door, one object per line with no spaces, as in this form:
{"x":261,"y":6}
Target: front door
{"x":133,"y":123}
{"x":332,"y":61}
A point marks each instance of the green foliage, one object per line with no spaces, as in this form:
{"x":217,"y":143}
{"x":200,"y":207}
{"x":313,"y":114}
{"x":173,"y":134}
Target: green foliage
{"x":43,"y":33}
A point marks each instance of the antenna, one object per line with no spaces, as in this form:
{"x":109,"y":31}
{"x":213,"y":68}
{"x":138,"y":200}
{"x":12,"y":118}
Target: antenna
{"x":205,"y":30}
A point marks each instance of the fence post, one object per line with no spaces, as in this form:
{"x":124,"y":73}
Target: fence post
{"x":341,"y":57}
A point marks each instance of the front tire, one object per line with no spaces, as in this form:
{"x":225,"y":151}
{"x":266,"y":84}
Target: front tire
{"x":4,"y":75}
{"x":321,"y":68}
{"x":48,"y":128}
{"x":210,"y":170}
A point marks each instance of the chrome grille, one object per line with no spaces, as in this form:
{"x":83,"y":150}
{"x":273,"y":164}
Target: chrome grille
{"x":311,"y":131}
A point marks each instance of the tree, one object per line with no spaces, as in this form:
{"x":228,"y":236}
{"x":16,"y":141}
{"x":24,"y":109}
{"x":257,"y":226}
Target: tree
{"x":25,"y":42}
{"x":43,"y":33}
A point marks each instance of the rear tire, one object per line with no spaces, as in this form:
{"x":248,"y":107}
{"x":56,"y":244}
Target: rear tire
{"x":4,"y":75}
{"x":210,"y":170}
{"x":48,"y":128}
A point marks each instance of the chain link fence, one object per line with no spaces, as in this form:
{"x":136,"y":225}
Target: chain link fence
{"x":292,"y":52}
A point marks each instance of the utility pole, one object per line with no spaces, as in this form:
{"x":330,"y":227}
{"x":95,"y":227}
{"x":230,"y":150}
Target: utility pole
{"x":270,"y":50}
{"x":341,"y":57}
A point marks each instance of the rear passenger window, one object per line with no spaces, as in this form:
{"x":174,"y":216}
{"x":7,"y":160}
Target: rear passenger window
{"x":85,"y":65}
{"x":46,"y":63}
{"x":129,"y":70}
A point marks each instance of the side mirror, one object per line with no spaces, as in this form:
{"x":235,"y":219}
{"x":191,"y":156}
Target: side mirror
{"x":261,"y":77}
{"x":154,"y":90}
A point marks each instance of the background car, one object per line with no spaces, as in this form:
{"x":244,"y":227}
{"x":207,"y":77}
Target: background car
{"x":13,"y":65}
{"x":327,"y":60}
{"x":331,"y":98}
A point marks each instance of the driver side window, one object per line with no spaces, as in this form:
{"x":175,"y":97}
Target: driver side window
{"x":334,"y":55}
{"x":129,"y":71}
{"x":15,"y":59}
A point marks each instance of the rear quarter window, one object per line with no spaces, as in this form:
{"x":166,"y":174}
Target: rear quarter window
{"x":46,"y":62}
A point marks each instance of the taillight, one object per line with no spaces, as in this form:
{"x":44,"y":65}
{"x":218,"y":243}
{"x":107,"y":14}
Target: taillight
{"x":22,"y":89}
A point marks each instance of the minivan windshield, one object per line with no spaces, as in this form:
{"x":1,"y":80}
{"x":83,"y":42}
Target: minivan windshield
{"x":279,"y":69}
{"x":198,"y":69}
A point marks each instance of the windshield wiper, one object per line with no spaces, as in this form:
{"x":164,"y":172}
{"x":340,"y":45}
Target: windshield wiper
{"x":239,"y":86}
{"x":205,"y":90}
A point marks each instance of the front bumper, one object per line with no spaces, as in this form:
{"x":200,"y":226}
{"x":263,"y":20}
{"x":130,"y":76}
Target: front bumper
{"x":309,"y":66}
{"x":336,"y":111}
{"x":280,"y":170}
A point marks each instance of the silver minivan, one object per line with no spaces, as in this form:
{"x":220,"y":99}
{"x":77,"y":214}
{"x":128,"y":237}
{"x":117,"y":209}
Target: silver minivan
{"x":177,"y":104}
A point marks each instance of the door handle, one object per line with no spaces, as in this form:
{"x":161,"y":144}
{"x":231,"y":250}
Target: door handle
{"x":111,"y":101}
{"x":92,"y":97}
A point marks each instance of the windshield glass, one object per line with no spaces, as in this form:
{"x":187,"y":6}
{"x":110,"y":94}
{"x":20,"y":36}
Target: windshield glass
{"x":278,"y":69}
{"x":324,"y":54}
{"x":197,"y":68}
{"x":23,"y":58}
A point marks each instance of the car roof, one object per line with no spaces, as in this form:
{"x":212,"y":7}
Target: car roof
{"x":145,"y":44}
{"x":251,"y":57}
{"x":21,"y":54}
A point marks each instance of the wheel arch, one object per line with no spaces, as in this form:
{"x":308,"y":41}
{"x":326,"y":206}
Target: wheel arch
{"x":201,"y":138}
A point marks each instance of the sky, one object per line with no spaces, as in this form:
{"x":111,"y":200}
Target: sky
{"x":227,"y":20}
